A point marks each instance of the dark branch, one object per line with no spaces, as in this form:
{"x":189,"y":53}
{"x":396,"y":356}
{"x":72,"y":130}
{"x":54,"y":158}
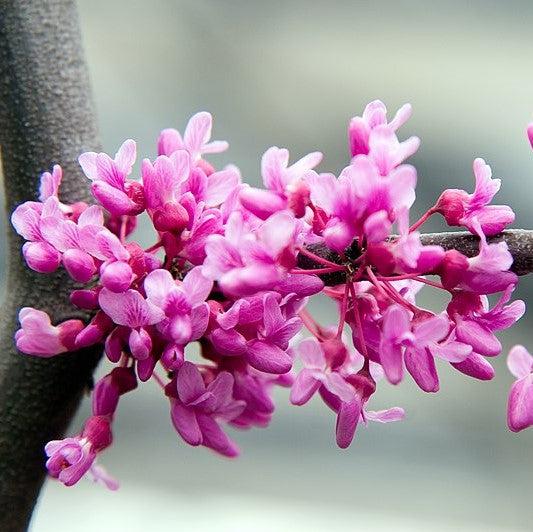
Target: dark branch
{"x":519,"y":241}
{"x":46,"y":117}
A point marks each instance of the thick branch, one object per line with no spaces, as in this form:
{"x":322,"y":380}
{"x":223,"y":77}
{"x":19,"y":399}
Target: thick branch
{"x":519,"y":241}
{"x":46,"y":117}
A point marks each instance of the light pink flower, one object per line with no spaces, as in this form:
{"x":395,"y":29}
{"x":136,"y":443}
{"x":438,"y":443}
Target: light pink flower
{"x":110,"y":187}
{"x":468,"y":210}
{"x":37,"y":336}
{"x":195,"y":139}
{"x":317,"y":373}
{"x":285,"y":185}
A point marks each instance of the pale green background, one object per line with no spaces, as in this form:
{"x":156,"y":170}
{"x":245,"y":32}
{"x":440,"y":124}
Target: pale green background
{"x":292,"y":73}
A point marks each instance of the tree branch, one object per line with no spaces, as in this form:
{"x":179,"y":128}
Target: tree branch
{"x":519,"y":241}
{"x":46,"y":117}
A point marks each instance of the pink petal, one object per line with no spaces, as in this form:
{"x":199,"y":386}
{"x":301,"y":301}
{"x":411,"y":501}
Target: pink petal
{"x":185,"y":422}
{"x":268,"y":358}
{"x":421,"y":366}
{"x":197,"y":132}
{"x":475,"y":366}
{"x":189,"y":382}
{"x":129,"y":308}
{"x":87,"y":162}
{"x":158,"y":284}
{"x":215,"y":438}
{"x":125,"y":156}
{"x":220,"y":185}
{"x":520,"y":362}
{"x":336,"y":385}
{"x":169,"y":141}
{"x":311,"y":353}
{"x":304,"y":387}
{"x":386,"y":416}
{"x":520,"y":405}
{"x":196,"y":286}
{"x":479,"y":337}
{"x":347,"y":420}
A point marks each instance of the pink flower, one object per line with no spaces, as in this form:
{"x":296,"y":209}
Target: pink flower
{"x":131,"y":310}
{"x":244,"y":262}
{"x":37,"y":336}
{"x":520,"y":405}
{"x":286,"y":187}
{"x":69,"y":459}
{"x":488,"y":272}
{"x":362,"y":203}
{"x":195,"y":139}
{"x":184,"y":305}
{"x":196,"y":408}
{"x":316,"y":373}
{"x":110,"y":187}
{"x":467,"y":210}
{"x":374,"y":115}
{"x":417,"y":344}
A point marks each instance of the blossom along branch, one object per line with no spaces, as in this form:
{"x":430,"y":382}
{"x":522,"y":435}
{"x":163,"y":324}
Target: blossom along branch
{"x":45,"y":116}
{"x":232,"y":270}
{"x":519,"y":242}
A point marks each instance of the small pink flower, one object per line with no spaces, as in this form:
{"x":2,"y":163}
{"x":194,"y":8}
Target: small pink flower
{"x":315,"y":374}
{"x":196,"y":409}
{"x":468,"y":210}
{"x":37,"y":336}
{"x":374,"y":115}
{"x":520,"y":405}
{"x":71,"y":458}
{"x":110,"y":187}
{"x":195,"y":139}
{"x":286,"y":187}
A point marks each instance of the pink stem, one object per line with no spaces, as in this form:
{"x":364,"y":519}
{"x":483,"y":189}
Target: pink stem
{"x":316,"y":258}
{"x":318,"y":271}
{"x":422,"y":219}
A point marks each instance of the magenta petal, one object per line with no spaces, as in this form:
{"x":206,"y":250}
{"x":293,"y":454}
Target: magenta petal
{"x":190,"y":383}
{"x":185,"y":422}
{"x":475,"y":366}
{"x":520,"y":405}
{"x":479,"y":337}
{"x":268,"y":358}
{"x":215,"y":438}
{"x":421,"y":366}
{"x":347,"y":420}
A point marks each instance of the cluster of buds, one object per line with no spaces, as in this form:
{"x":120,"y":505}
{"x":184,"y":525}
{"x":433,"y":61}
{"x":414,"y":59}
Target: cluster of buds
{"x":233,"y":268}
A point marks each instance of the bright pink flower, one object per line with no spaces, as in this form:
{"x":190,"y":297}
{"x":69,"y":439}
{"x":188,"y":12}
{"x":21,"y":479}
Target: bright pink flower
{"x":520,"y":406}
{"x":37,"y":336}
{"x":244,"y":261}
{"x":187,"y":313}
{"x":488,"y":272}
{"x":362,"y":202}
{"x":417,"y":344}
{"x":286,"y":187}
{"x":374,"y":115}
{"x":195,"y":139}
{"x":131,"y":310}
{"x":196,"y":408}
{"x":467,"y":210}
{"x":110,"y":187}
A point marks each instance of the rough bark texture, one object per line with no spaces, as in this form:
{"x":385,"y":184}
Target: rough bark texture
{"x":519,"y":241}
{"x":46,"y":117}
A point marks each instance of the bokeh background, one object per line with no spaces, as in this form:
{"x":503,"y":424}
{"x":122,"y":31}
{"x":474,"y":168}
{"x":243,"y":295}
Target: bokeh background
{"x":291,"y":73}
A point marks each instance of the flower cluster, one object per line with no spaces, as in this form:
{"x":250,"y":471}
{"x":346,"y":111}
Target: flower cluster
{"x":231,"y":272}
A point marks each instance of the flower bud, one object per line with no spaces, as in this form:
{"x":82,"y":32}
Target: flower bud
{"x":41,"y":256}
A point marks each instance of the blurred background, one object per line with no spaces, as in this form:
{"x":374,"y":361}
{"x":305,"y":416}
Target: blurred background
{"x":292,"y":73}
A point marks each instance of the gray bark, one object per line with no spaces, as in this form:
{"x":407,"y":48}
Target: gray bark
{"x":46,"y":117}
